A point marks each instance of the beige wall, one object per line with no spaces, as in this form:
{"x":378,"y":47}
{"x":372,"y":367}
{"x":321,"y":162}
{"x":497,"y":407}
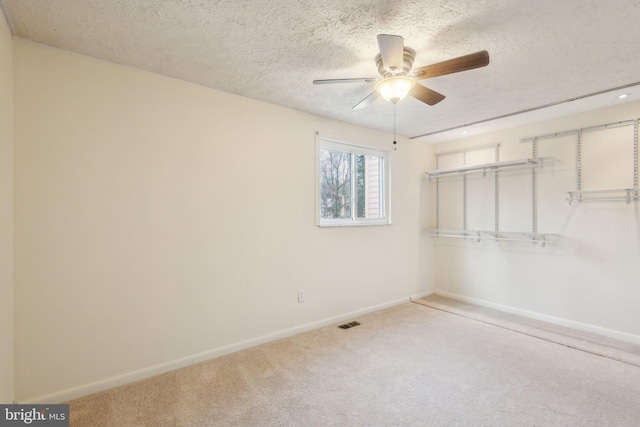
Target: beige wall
{"x":159,"y":223}
{"x":589,"y":278}
{"x":6,"y":213}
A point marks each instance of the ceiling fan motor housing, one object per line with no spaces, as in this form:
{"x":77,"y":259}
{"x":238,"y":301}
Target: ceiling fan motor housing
{"x":408,"y":56}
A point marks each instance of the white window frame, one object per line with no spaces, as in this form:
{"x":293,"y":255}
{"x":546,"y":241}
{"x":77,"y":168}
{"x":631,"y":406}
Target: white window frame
{"x":355,"y":150}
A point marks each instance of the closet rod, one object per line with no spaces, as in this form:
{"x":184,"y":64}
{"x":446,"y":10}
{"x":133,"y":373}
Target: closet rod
{"x":488,"y":167}
{"x":605,"y":199}
{"x":497,"y":239}
{"x":574,"y":131}
{"x":478,"y":235}
{"x":630,"y":194}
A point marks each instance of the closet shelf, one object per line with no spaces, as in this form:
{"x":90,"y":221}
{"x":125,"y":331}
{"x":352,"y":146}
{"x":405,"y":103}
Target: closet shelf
{"x":604,"y":195}
{"x":478,"y":235}
{"x":490,"y":167}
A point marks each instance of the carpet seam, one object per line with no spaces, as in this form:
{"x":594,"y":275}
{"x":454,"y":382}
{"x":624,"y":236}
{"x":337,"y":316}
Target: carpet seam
{"x":529,"y":335}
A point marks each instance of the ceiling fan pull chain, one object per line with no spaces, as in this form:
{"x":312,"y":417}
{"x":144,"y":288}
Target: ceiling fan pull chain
{"x":394,"y":127}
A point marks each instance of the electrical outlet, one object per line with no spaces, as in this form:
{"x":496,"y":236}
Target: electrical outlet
{"x":300,"y":295}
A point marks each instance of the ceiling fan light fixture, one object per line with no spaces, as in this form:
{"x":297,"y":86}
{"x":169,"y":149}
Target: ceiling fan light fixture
{"x":394,"y":89}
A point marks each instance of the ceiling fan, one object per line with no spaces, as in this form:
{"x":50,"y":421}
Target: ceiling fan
{"x":399,"y":79}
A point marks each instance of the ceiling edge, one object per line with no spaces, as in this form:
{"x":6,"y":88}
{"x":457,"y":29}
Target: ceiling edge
{"x":7,"y":18}
{"x":528,"y":110}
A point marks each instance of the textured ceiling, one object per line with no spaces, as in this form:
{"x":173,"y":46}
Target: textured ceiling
{"x":541,"y":51}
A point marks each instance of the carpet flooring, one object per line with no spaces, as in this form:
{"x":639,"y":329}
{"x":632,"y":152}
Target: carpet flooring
{"x":409,"y":365}
{"x":586,"y":341}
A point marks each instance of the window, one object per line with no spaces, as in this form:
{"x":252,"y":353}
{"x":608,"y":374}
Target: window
{"x":352,"y":184}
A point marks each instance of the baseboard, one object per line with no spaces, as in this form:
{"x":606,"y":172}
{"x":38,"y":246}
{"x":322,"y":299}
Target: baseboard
{"x":421,"y":295}
{"x":611,"y":333}
{"x":127,"y":378}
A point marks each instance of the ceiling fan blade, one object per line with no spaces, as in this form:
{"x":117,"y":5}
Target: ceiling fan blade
{"x":355,"y":80}
{"x":426,"y":95}
{"x":391,"y":51}
{"x":463,"y":63}
{"x":367,"y":101}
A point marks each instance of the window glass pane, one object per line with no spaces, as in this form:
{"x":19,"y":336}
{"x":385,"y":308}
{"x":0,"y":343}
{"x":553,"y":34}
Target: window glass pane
{"x":369,"y":186}
{"x":351,"y":187}
{"x":335,"y":184}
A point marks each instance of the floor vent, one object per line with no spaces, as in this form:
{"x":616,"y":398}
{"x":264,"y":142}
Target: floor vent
{"x":349,"y":325}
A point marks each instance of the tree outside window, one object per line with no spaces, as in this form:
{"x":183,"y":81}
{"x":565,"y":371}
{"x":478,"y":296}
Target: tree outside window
{"x":352,"y":185}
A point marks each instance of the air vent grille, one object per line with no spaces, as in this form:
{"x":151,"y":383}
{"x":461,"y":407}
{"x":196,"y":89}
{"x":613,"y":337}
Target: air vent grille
{"x":349,"y":325}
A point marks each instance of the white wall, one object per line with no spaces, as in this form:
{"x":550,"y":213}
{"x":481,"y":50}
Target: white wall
{"x":6,"y":213}
{"x":158,"y":223}
{"x":590,"y":277}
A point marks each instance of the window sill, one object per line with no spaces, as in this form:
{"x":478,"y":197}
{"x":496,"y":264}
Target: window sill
{"x":353,"y":224}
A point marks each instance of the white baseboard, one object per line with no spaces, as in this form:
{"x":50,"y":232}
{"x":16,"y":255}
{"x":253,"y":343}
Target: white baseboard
{"x":108,"y":383}
{"x":611,"y":333}
{"x":421,"y":295}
